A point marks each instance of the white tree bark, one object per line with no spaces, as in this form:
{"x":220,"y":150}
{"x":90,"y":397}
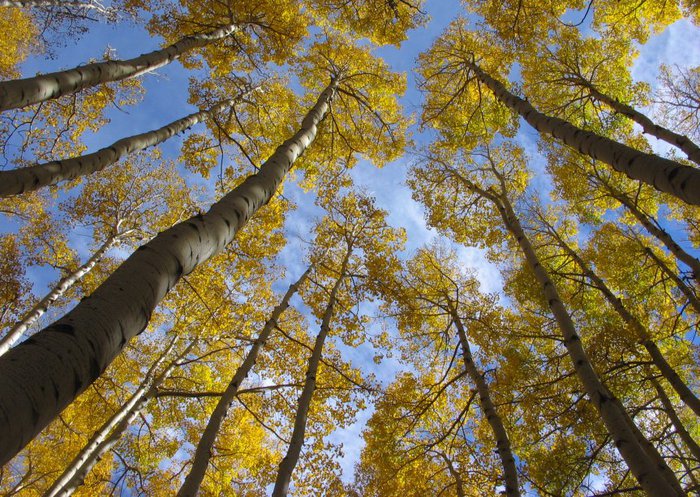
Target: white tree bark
{"x":22,"y":92}
{"x":680,"y":284}
{"x":670,"y":411}
{"x":503,"y":447}
{"x":665,"y":175}
{"x":20,"y":328}
{"x":34,"y":177}
{"x":203,"y":453}
{"x":655,"y":230}
{"x":111,"y":430}
{"x":650,"y":470}
{"x":684,"y":143}
{"x":686,"y":395}
{"x":284,"y":475}
{"x":43,"y":374}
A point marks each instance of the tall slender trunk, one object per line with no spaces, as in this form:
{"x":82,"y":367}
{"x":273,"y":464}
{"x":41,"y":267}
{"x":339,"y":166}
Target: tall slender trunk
{"x":19,"y":93}
{"x":663,"y":174}
{"x":459,"y":483}
{"x":111,"y":430}
{"x":284,"y":475}
{"x":82,"y":4}
{"x":661,"y":234}
{"x":34,"y":177}
{"x":680,"y":284}
{"x":43,"y":374}
{"x":670,"y":411}
{"x":684,"y":143}
{"x":16,"y":332}
{"x":650,"y":470}
{"x":684,"y":392}
{"x":510,"y":472}
{"x":203,"y":453}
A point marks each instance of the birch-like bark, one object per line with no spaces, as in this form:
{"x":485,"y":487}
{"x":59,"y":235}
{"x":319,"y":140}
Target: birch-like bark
{"x":203,"y":453}
{"x":34,"y":177}
{"x":680,"y":284}
{"x":503,"y":448}
{"x":43,"y":374}
{"x":111,"y":430}
{"x":650,"y":470}
{"x":658,"y":232}
{"x":19,"y":93}
{"x":20,"y":328}
{"x":82,"y":4}
{"x":670,"y":411}
{"x":663,"y":174}
{"x":667,"y":371}
{"x":649,"y":127}
{"x":284,"y":475}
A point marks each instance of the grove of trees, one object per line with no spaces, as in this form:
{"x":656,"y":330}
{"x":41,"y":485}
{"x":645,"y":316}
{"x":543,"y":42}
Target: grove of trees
{"x":206,"y":300}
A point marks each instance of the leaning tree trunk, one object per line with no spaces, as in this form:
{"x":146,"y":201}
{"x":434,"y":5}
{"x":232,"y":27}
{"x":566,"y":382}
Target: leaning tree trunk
{"x":203,"y":453}
{"x":661,"y":234}
{"x":42,"y":375}
{"x":663,"y":174}
{"x":680,"y":284}
{"x":667,"y":371}
{"x":649,"y":127}
{"x":650,"y":470}
{"x":670,"y":411}
{"x":16,"y":332}
{"x":459,"y":483}
{"x":503,"y":448}
{"x":34,"y":177}
{"x":284,"y":475}
{"x":82,"y":4}
{"x":23,"y":92}
{"x":111,"y":430}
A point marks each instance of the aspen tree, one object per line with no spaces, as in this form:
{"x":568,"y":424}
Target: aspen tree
{"x":643,"y":335}
{"x":352,"y":236}
{"x":284,"y":475}
{"x":501,"y":171}
{"x":452,"y":61}
{"x":31,"y":178}
{"x":203,"y":452}
{"x":23,"y":92}
{"x":126,"y":299}
{"x":433,"y":291}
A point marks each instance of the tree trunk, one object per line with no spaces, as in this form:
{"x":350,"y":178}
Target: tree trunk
{"x":649,"y":126}
{"x":459,"y":484}
{"x":289,"y":461}
{"x":676,"y":421}
{"x":686,"y":395}
{"x":660,"y":234}
{"x":680,"y":284}
{"x":43,"y":374}
{"x":19,"y":93}
{"x":82,"y":4}
{"x":663,"y":174}
{"x":510,"y":472}
{"x":34,"y":177}
{"x":203,"y":453}
{"x":16,"y":332}
{"x":650,"y":470}
{"x":112,"y":429}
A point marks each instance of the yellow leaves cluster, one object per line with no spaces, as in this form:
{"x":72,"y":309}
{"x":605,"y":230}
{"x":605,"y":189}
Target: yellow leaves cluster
{"x":17,"y":40}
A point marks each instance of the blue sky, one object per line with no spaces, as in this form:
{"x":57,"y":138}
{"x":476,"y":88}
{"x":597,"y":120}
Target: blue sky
{"x":166,"y":99}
